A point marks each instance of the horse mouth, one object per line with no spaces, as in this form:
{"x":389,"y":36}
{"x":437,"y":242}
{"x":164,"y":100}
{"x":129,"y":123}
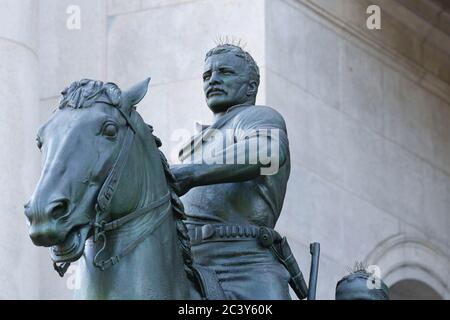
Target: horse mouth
{"x":72,"y":248}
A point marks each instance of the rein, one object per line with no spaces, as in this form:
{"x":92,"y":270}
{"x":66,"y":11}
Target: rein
{"x":103,"y":227}
{"x":102,"y":207}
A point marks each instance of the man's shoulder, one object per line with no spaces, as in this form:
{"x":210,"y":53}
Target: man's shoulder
{"x":260,"y":110}
{"x":261,"y":114}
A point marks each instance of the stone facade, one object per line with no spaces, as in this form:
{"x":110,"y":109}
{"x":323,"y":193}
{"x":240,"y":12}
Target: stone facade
{"x":367,"y":111}
{"x":19,"y":163}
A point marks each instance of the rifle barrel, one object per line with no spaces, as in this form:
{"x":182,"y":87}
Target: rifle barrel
{"x":314,"y":249}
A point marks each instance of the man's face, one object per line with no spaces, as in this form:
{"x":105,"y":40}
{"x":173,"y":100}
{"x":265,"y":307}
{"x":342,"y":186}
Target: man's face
{"x":225,"y":81}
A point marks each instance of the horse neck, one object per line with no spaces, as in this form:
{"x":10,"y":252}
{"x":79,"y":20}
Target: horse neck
{"x":155,"y":268}
{"x":142,"y":181}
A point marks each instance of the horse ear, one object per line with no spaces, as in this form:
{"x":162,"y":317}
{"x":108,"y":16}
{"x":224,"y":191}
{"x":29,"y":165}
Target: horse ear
{"x":135,"y":94}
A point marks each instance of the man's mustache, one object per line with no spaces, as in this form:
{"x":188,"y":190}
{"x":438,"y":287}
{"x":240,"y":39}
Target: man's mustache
{"x":214,"y":89}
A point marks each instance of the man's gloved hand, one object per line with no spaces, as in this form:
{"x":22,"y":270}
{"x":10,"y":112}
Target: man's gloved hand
{"x":183,"y":178}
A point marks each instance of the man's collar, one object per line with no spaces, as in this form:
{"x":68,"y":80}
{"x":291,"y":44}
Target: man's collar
{"x":203,"y":133}
{"x":238,"y":106}
{"x":200,"y":127}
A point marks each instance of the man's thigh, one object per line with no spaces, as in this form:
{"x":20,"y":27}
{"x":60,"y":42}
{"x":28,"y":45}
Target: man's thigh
{"x":245,"y":270}
{"x":262,"y":282}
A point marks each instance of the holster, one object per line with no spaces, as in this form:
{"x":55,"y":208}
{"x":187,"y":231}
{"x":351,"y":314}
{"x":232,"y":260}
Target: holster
{"x":281,"y":249}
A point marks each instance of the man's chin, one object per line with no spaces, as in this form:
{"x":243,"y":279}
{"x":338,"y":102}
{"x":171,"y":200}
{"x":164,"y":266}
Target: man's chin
{"x":218,"y":106}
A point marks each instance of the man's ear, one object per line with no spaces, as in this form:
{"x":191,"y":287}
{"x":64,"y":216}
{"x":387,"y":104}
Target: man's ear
{"x":252,"y":88}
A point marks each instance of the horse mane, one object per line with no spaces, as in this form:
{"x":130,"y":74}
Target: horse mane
{"x":180,"y":215}
{"x":178,"y":209}
{"x":83,"y":94}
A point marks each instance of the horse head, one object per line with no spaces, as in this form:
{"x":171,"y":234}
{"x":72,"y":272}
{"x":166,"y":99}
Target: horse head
{"x":80,"y":145}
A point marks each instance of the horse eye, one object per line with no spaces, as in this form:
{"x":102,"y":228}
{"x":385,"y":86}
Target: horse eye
{"x":110,"y":130}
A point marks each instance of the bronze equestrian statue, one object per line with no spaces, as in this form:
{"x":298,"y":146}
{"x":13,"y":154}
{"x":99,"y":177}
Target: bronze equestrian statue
{"x":107,"y":196}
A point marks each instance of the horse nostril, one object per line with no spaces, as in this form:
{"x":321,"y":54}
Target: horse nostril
{"x":59,"y":209}
{"x":27,"y":213}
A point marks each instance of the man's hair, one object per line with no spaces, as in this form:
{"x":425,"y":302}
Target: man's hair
{"x":239,"y":52}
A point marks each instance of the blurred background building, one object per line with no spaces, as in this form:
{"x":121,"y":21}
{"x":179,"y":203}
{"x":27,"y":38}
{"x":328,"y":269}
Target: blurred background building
{"x":367,"y":111}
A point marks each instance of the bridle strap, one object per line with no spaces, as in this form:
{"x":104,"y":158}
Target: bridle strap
{"x":109,"y":187}
{"x":115,"y":224}
{"x":127,"y":119}
{"x":157,"y":220}
{"x":106,"y":195}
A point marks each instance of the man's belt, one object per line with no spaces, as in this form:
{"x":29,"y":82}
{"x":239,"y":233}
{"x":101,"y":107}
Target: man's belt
{"x":221,"y":232}
{"x":266,"y":237}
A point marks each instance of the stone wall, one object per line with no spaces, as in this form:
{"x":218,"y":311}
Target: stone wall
{"x":369,"y":137}
{"x":19,"y":161}
{"x":368,"y":116}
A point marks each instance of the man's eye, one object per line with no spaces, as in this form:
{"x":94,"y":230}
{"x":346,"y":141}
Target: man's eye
{"x":39,"y":142}
{"x":206,"y":77}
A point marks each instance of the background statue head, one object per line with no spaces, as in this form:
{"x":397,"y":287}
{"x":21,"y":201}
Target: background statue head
{"x":361,"y":284}
{"x":230,"y":77}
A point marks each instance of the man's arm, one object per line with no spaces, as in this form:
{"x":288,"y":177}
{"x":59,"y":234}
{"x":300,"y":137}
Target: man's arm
{"x":193,"y":175}
{"x":260,"y":148}
{"x":189,"y":176}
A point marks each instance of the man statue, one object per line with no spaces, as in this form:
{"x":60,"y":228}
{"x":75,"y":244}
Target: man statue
{"x":233,"y":177}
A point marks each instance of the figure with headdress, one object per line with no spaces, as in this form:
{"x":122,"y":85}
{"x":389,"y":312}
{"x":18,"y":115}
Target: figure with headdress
{"x":361,"y":284}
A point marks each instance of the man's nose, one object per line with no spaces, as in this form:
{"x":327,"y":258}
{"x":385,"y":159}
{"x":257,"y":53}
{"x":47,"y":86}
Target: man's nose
{"x":215,"y":78}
